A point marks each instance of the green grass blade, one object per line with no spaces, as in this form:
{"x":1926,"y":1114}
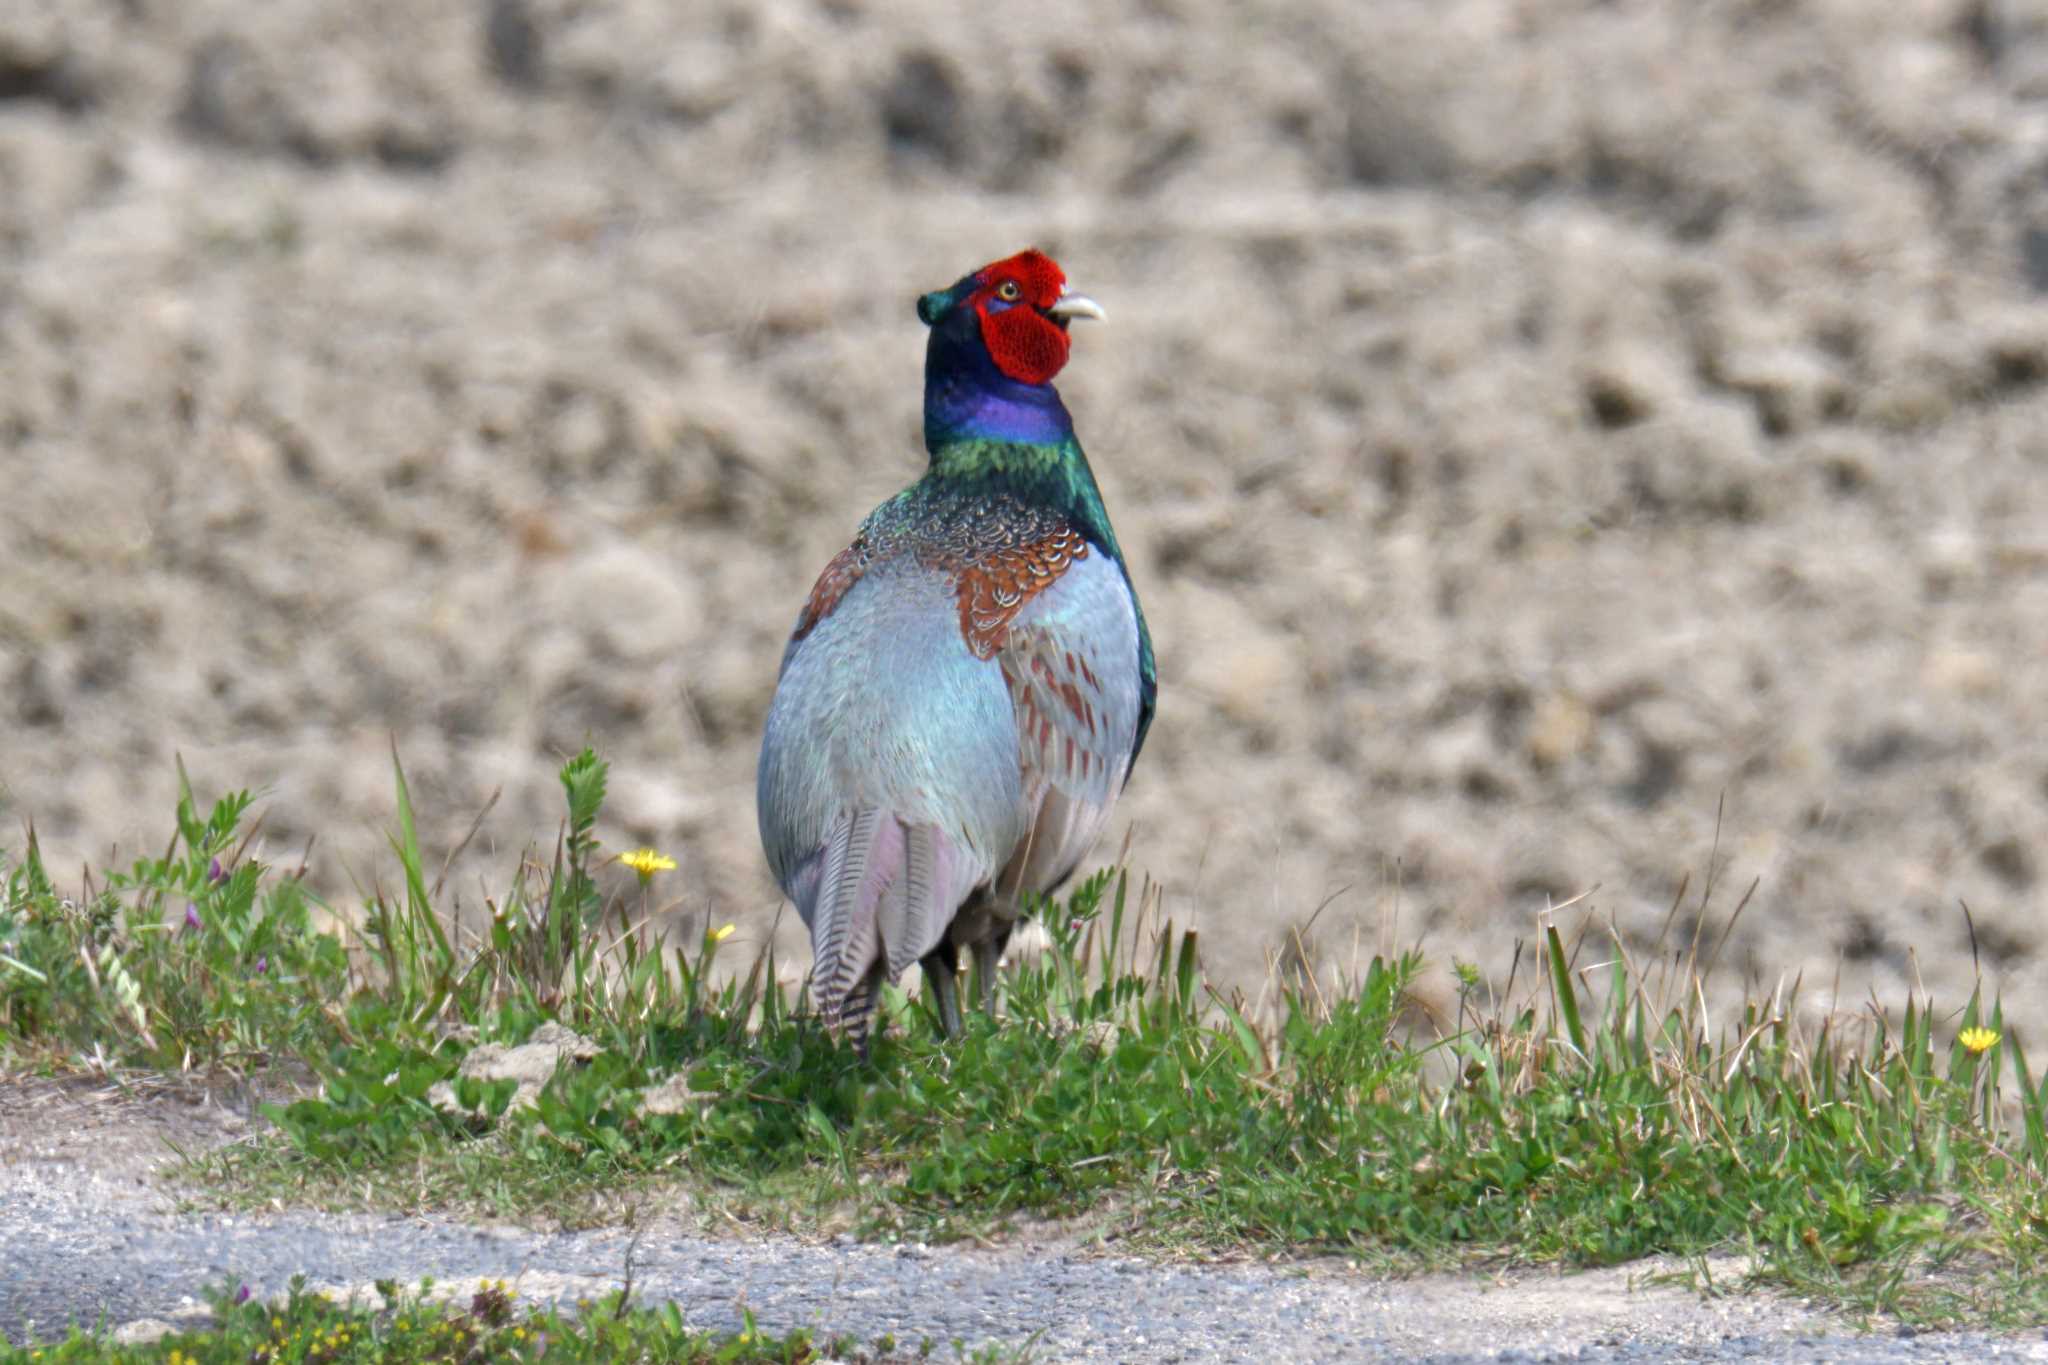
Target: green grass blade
{"x":1186,"y":973}
{"x":423,"y":926}
{"x":2033,"y":1123}
{"x":1249,"y":1045}
{"x":1561,"y":987}
{"x":1116,"y":927}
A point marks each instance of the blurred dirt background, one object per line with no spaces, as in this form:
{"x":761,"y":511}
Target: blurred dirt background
{"x":1536,"y":427}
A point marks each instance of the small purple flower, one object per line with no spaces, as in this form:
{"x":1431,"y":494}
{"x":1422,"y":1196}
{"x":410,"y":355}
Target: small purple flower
{"x":192,"y":915}
{"x":242,"y":1295}
{"x":214,"y":872}
{"x":262,"y":963}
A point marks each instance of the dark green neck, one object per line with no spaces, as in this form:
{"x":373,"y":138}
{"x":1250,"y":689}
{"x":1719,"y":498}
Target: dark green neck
{"x":1052,"y":475}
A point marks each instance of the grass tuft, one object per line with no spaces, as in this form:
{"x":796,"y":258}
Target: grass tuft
{"x":1595,"y":1115}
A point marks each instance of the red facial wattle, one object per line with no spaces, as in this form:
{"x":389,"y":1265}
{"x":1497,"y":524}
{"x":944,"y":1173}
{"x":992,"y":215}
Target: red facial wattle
{"x":1026,"y":344}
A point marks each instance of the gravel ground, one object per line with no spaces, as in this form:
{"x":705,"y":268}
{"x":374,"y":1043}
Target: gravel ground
{"x":86,"y":1229}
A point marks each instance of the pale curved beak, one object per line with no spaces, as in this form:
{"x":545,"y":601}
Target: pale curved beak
{"x":1069,"y":306}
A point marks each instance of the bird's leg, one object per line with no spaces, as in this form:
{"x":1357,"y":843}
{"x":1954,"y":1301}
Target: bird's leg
{"x":941,"y":975}
{"x":987,"y":954}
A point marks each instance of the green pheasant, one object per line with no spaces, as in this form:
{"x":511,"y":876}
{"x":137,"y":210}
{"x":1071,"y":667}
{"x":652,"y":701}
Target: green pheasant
{"x":971,"y":680}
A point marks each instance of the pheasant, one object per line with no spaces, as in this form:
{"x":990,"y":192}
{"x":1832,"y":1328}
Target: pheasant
{"x":971,"y":680}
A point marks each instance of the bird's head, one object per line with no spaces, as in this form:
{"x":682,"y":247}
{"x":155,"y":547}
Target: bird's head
{"x":1019,"y":309}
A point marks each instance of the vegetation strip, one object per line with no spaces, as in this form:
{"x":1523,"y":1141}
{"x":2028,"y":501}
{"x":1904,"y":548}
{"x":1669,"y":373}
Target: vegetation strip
{"x":1595,"y":1118}
{"x":411,"y":1327}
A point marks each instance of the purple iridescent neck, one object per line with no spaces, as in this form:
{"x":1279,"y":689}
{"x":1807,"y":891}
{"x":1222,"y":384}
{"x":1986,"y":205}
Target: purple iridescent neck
{"x":967,"y":398}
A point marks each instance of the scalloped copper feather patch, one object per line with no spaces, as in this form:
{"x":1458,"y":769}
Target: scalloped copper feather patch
{"x":995,"y":587}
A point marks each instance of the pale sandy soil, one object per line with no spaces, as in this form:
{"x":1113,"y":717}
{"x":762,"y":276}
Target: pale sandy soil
{"x":1534,"y":425}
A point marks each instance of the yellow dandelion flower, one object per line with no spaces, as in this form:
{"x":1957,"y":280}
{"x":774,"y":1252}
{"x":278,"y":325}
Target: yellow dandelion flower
{"x":720,"y":934}
{"x":647,"y":862}
{"x":1977,"y":1040}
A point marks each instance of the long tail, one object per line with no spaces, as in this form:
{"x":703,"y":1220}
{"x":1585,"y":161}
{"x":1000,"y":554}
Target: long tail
{"x":884,"y":896}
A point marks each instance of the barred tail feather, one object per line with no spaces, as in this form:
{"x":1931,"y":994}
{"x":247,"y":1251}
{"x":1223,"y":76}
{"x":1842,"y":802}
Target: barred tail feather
{"x":845,"y":936}
{"x":884,"y":895}
{"x":923,"y":899}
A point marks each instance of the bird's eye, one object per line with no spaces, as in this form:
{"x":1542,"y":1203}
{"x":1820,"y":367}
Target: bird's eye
{"x":1008,"y":291}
